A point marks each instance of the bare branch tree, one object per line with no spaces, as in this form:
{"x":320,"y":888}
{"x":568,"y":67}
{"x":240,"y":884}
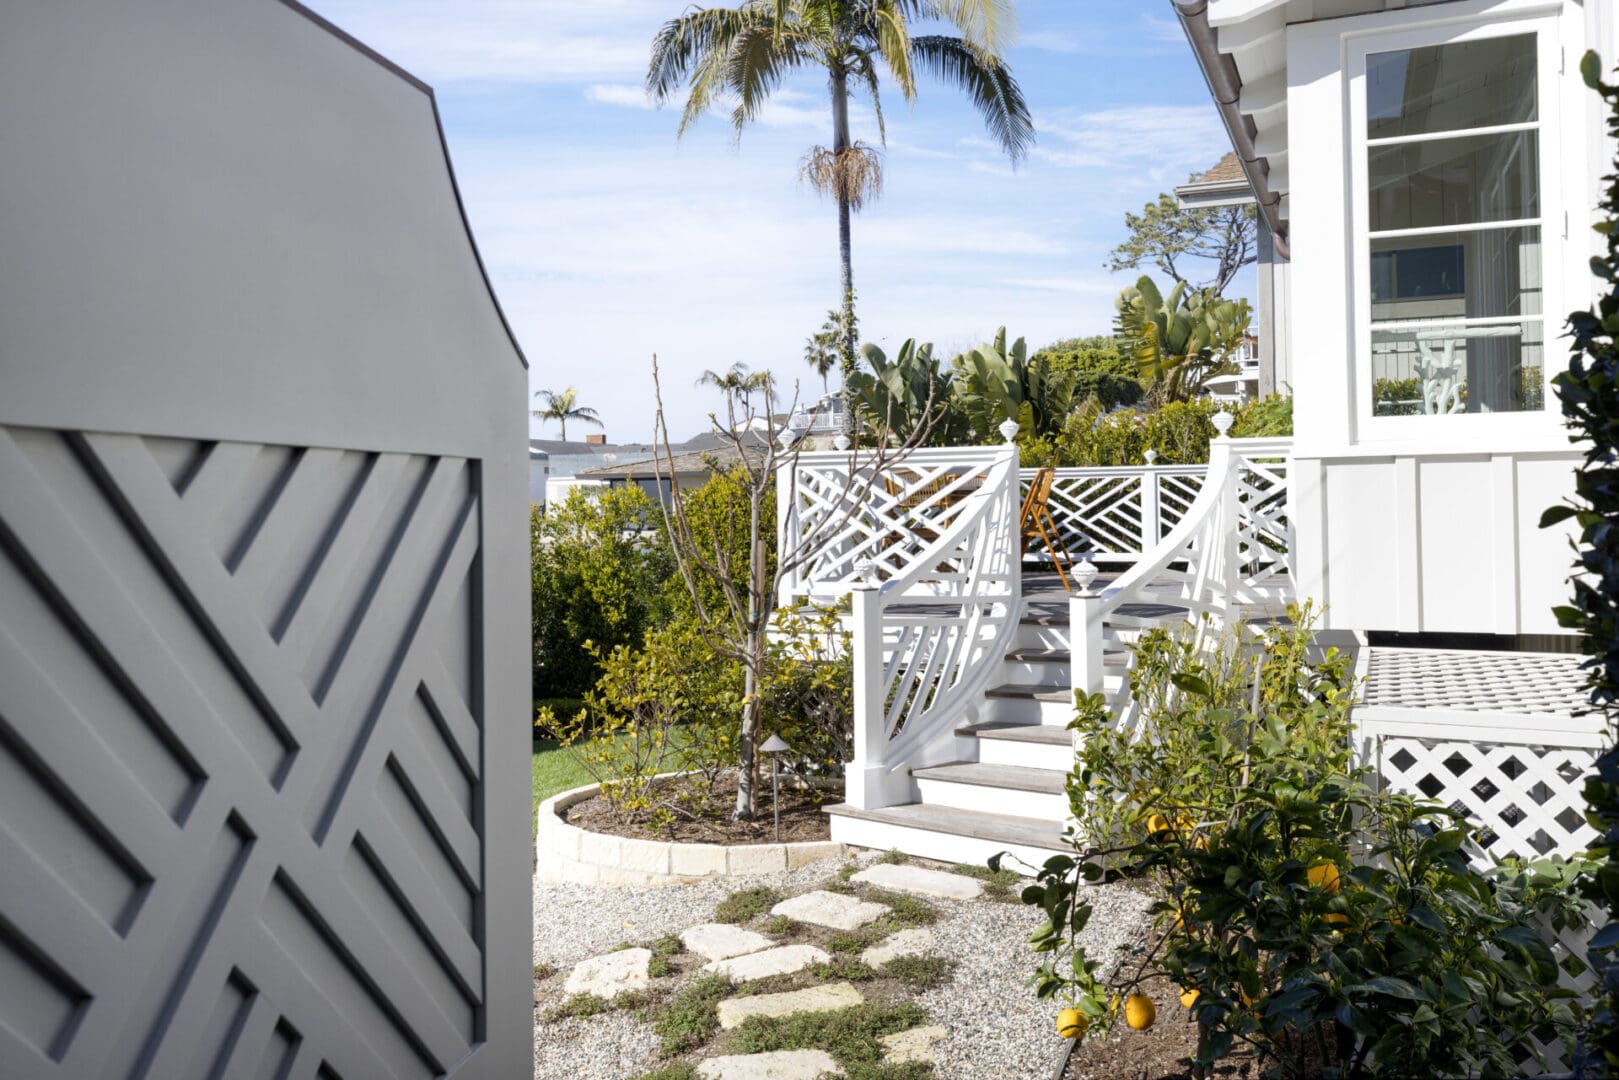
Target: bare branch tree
{"x":766,"y":447}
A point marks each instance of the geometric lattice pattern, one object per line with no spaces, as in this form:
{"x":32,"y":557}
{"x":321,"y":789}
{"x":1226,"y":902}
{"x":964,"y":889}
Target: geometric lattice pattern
{"x":1476,"y":681}
{"x":1525,"y":800}
{"x":1119,"y":514}
{"x":841,"y":511}
{"x":239,"y":760}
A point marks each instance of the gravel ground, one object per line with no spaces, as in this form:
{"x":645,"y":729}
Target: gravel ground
{"x":997,"y":1027}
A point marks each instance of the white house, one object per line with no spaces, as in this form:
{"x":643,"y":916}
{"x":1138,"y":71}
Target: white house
{"x":1429,"y":170}
{"x":1426,"y":172}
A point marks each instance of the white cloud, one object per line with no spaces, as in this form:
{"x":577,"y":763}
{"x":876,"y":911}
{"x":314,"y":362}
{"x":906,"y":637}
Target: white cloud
{"x":1101,"y":285}
{"x":632,"y":97}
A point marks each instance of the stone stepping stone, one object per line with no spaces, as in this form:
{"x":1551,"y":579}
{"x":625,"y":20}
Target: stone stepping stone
{"x":612,"y":974}
{"x":721,"y":941}
{"x":918,"y":881}
{"x":918,"y":942}
{"x":917,"y":1044}
{"x":776,"y":1065}
{"x":782,"y":960}
{"x":834,"y":910}
{"x":828,"y":998}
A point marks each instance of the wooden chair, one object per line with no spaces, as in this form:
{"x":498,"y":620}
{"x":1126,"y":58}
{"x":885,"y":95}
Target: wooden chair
{"x":1035,"y":520}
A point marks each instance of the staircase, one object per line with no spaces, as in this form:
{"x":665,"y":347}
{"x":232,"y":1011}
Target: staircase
{"x":1005,"y":790}
{"x":965,"y":667}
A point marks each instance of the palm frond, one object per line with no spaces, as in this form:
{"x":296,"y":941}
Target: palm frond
{"x":866,"y":72}
{"x":989,"y":26}
{"x":759,"y":57}
{"x":682,"y":44}
{"x":989,"y":83}
{"x":894,"y":43}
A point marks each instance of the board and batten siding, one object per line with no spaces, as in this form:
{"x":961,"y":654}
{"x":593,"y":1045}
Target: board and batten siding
{"x":1435,"y":543}
{"x":263,"y":587}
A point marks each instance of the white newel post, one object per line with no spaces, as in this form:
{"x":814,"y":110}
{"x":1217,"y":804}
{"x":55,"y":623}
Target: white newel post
{"x":1227,"y":575}
{"x":1085,"y":630}
{"x":1150,"y":479}
{"x":864,"y":786}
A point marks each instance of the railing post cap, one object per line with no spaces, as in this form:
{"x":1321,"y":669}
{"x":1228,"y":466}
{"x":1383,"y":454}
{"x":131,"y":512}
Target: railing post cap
{"x":841,"y":441}
{"x":1223,"y":421}
{"x":1084,"y":576}
{"x":1008,"y":429}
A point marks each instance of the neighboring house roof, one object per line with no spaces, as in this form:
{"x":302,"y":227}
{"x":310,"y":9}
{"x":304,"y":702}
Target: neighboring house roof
{"x":1224,"y":185}
{"x":715,"y":459}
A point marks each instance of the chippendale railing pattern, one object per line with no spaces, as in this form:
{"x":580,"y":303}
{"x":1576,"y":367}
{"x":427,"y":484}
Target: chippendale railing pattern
{"x":1228,"y":555}
{"x":1119,"y":514}
{"x":928,"y":637}
{"x":853,"y":508}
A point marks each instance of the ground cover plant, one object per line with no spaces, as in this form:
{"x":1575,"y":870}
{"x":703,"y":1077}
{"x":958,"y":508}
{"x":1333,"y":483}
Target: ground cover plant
{"x":1326,"y":926}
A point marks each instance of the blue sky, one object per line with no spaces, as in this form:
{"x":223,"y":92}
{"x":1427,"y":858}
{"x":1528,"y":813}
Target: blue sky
{"x":608,"y":239}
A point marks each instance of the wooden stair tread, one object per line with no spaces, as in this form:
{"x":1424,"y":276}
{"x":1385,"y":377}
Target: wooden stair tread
{"x":1010,"y":777}
{"x":974,"y":824}
{"x":1061,"y":656}
{"x":1044,"y":734}
{"x":1039,"y":692}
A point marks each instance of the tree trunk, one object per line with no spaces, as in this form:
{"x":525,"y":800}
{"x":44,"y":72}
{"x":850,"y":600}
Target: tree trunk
{"x":564,"y":425}
{"x":846,"y":344}
{"x":759,"y":603}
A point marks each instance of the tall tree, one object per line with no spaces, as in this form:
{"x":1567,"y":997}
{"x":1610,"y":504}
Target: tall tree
{"x":823,"y":348}
{"x":564,"y":407}
{"x":1169,"y":236}
{"x":740,"y":56}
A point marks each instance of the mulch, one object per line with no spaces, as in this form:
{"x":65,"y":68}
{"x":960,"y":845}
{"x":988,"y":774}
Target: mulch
{"x":1162,"y":1052}
{"x":709,"y":820}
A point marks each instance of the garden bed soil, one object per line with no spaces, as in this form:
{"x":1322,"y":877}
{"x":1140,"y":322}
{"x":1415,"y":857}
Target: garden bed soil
{"x":801,"y":817}
{"x":1162,"y":1052}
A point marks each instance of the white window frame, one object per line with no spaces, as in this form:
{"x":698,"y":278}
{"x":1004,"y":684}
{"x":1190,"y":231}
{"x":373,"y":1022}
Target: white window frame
{"x":1549,"y":124}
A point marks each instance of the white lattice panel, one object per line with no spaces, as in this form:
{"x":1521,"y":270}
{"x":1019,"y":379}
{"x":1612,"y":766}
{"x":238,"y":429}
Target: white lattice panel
{"x":1475,"y":681}
{"x":1526,"y":800}
{"x":1119,"y":514}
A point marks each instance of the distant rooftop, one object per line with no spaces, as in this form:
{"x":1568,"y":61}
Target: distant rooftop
{"x":1224,"y":185}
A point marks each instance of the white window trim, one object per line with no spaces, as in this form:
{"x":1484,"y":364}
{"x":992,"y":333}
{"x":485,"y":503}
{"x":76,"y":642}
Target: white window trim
{"x":1463,"y":427}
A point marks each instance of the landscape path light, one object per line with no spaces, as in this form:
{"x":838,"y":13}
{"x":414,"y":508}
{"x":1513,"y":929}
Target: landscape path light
{"x":774,"y":746}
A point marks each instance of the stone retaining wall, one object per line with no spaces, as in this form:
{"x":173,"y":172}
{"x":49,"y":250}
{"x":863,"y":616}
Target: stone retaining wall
{"x":567,"y":853}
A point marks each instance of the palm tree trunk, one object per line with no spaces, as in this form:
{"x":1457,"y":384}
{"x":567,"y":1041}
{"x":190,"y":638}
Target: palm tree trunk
{"x":564,"y":424}
{"x":840,"y":143}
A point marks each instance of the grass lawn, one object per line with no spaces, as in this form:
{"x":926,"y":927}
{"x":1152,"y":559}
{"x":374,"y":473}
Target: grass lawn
{"x":554,"y":770}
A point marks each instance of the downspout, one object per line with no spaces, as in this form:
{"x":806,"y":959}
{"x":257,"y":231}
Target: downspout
{"x":1225,"y":86}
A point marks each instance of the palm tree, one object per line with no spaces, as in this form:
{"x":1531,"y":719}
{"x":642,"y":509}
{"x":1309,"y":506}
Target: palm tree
{"x":563,"y":407}
{"x":741,"y":55}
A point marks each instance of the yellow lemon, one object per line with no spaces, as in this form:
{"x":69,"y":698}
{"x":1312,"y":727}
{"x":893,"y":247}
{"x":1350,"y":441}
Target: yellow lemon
{"x":1335,"y":918}
{"x":1139,"y":1012}
{"x":1071,"y":1024}
{"x":1156,"y":824}
{"x":1188,"y":998}
{"x":1323,"y":875}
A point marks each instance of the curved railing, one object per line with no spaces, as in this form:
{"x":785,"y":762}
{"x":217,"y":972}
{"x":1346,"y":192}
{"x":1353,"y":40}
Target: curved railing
{"x":930,"y":636}
{"x":847,"y":509}
{"x":1230,"y":554}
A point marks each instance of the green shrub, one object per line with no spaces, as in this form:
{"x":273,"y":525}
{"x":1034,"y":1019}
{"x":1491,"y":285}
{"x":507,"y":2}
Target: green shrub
{"x":808,"y":692}
{"x":577,"y":1007}
{"x":1315,"y":917}
{"x":1102,"y":372}
{"x":1264,"y":418}
{"x":598,"y":567}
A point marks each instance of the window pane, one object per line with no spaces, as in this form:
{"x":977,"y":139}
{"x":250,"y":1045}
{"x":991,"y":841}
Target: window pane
{"x":1458,"y":369}
{"x":1451,"y":87}
{"x":1454,"y":181}
{"x":1481,"y":273}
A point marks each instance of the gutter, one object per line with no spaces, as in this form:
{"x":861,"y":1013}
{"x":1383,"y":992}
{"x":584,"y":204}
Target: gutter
{"x":1225,"y":86}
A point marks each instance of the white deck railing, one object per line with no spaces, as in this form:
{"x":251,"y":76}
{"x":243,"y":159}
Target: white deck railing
{"x":1228,"y":554}
{"x":1119,"y":514}
{"x":932,"y":623}
{"x":852,"y":508}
